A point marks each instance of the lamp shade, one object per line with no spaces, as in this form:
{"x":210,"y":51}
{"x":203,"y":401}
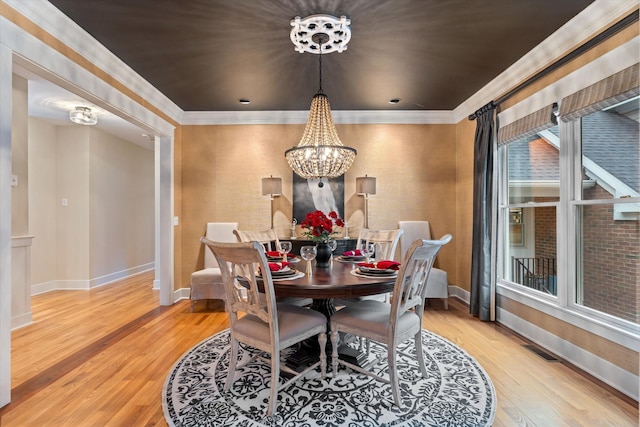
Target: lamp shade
{"x":366,"y":185}
{"x":271,"y":186}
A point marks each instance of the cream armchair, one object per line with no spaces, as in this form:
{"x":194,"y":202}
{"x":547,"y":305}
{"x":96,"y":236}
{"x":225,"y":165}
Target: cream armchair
{"x":207,"y":283}
{"x":438,"y":282}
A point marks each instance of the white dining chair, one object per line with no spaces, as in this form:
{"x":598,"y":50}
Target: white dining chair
{"x":385,"y":241}
{"x":395,"y":322}
{"x":269,"y":239}
{"x":438,"y":284}
{"x":206,"y":284}
{"x":265,"y":326}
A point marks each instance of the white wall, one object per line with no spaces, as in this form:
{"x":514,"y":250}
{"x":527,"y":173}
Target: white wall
{"x":121,"y":195}
{"x":43,"y":200}
{"x":106,"y":230}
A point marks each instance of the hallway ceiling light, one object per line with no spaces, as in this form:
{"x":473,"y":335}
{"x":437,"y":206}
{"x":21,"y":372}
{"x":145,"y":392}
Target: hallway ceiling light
{"x":83,"y":116}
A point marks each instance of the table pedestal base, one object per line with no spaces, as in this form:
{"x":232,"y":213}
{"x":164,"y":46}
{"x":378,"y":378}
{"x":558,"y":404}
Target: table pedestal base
{"x":309,"y":350}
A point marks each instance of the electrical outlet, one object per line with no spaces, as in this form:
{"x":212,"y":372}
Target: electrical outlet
{"x":14,"y":180}
{"x":64,"y":202}
{"x":175,"y":220}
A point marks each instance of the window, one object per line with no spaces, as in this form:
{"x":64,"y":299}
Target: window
{"x":532,"y":195}
{"x":575,"y":188}
{"x":607,"y":212}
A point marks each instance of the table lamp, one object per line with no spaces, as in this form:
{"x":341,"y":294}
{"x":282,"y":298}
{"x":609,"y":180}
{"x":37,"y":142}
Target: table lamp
{"x":366,"y":185}
{"x":271,"y":187}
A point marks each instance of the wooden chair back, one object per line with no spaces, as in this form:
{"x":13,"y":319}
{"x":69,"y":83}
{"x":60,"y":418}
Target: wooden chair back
{"x":410,"y":288}
{"x":268,"y":238}
{"x":386,"y":241}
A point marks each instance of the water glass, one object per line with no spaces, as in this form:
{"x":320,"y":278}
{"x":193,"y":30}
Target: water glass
{"x":308,"y":253}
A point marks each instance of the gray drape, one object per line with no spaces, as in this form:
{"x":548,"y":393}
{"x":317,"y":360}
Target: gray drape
{"x":482,"y":293}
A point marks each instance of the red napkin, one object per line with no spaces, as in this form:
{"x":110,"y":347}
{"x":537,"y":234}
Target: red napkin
{"x":353,"y":253}
{"x":273,"y":254}
{"x":277,"y":266}
{"x":382,"y":265}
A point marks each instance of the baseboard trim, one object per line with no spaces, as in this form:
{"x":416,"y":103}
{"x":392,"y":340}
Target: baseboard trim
{"x":616,"y":377}
{"x":462,"y":294}
{"x":182,"y":293}
{"x":21,"y":321}
{"x":119,"y":275}
{"x":59,"y":285}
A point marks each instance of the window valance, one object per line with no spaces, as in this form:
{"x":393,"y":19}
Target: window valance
{"x":528,"y":125}
{"x":600,"y":95}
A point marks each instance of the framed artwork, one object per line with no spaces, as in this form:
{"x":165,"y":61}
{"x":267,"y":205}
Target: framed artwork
{"x":310,"y":195}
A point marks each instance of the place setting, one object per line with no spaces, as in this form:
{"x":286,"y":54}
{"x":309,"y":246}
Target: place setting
{"x":382,"y":268}
{"x":283,"y":254}
{"x":358,"y":255}
{"x":281,"y":271}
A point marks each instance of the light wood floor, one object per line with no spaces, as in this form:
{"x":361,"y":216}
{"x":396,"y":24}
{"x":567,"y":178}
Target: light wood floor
{"x":100,"y":358}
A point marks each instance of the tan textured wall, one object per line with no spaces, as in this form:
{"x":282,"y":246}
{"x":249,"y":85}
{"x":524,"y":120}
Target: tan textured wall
{"x":465,"y":133}
{"x":222,"y":167}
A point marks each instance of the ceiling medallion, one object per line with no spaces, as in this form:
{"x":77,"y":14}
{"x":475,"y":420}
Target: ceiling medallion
{"x":304,"y":30}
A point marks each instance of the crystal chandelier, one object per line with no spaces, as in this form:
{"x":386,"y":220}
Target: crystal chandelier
{"x":320,"y":153}
{"x":83,"y":116}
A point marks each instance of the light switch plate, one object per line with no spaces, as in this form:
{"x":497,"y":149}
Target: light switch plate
{"x":175,"y":220}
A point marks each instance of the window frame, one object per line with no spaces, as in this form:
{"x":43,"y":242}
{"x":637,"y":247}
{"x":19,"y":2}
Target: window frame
{"x":563,"y":306}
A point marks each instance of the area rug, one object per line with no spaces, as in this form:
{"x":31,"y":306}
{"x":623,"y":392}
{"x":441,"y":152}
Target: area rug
{"x":457,"y":392}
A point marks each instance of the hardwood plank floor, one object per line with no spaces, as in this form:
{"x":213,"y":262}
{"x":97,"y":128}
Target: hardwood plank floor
{"x":100,"y":358}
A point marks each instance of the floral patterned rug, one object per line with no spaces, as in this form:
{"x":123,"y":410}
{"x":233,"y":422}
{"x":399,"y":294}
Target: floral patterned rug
{"x":457,"y":392}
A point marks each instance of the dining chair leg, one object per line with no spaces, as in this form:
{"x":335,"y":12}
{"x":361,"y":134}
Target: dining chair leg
{"x":275,"y":377}
{"x":334,"y":353}
{"x":233,"y":362}
{"x":420,"y":353}
{"x":393,"y":375}
{"x":322,"y":341}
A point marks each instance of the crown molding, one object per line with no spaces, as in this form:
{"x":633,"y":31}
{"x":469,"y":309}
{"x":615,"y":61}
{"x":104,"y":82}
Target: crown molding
{"x":46,"y":16}
{"x":300,"y":117}
{"x":583,"y":26}
{"x":598,"y":15}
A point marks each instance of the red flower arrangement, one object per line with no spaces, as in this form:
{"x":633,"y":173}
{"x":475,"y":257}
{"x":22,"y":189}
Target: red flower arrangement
{"x":319,"y":227}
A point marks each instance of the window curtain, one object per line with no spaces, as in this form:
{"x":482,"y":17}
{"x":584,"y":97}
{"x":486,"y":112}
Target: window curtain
{"x":616,"y":88}
{"x":482,"y":302}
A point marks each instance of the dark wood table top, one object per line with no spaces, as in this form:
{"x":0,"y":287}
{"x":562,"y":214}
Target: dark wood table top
{"x":333,"y":282}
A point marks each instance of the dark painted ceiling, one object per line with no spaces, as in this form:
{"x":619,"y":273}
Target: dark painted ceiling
{"x":205,"y":55}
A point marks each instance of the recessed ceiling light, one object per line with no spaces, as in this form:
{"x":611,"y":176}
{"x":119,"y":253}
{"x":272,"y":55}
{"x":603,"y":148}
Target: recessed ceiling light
{"x":244,"y":101}
{"x":394,"y":100}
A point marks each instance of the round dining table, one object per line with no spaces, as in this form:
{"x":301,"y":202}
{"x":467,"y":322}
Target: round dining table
{"x":323,"y":285}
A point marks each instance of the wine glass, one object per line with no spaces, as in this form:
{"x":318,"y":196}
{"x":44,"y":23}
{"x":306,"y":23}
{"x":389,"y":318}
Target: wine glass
{"x":285,"y":248}
{"x":308,"y":253}
{"x":367,"y":249}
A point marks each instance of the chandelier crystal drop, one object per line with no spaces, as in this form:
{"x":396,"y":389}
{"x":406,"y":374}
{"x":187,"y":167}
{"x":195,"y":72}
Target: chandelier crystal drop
{"x":320,"y":153}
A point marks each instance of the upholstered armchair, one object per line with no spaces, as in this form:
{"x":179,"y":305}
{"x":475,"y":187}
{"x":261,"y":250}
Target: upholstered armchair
{"x":438,"y":283}
{"x":207,"y":283}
